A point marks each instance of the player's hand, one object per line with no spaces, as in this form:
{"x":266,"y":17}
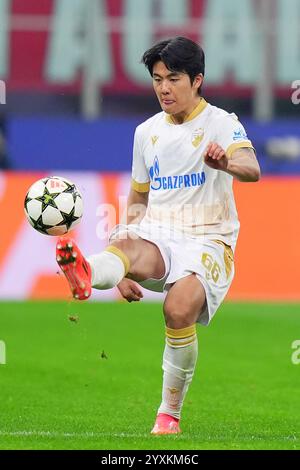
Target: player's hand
{"x":130,"y":290}
{"x":215,"y":157}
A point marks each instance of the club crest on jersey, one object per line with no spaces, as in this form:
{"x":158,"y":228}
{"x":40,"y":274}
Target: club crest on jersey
{"x":197,"y":137}
{"x":175,"y":181}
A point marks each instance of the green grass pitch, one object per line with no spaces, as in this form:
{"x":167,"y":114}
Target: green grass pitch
{"x":96,"y":383}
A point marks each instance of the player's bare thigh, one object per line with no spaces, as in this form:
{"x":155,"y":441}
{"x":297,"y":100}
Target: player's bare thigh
{"x":145,"y":258}
{"x":184,"y":302}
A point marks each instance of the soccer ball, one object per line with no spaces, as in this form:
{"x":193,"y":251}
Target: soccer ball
{"x":53,"y":205}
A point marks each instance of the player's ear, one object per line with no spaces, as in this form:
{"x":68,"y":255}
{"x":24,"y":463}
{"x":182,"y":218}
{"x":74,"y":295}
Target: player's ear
{"x":198,"y":80}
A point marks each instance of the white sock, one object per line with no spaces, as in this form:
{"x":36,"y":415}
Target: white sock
{"x":179,"y":361}
{"x":108,"y":268}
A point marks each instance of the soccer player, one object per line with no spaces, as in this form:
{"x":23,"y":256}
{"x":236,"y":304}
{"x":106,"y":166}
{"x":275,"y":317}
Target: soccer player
{"x":182,"y":242}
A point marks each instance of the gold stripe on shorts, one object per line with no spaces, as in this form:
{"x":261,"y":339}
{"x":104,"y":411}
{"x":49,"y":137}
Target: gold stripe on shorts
{"x":228,"y":257}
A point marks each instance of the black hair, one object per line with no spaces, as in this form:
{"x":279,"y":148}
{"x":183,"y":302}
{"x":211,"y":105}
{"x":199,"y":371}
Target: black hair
{"x":179,"y":54}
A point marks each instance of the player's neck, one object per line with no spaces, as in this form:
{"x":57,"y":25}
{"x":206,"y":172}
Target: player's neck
{"x":186,"y":114}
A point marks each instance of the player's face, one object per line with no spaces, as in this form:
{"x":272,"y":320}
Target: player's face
{"x":174,"y":91}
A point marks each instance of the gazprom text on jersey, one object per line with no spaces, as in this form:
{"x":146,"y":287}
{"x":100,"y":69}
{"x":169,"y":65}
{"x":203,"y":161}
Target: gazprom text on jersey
{"x":178,"y":181}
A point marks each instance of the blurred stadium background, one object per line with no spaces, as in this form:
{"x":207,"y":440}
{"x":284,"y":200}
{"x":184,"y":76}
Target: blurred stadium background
{"x":73,"y":91}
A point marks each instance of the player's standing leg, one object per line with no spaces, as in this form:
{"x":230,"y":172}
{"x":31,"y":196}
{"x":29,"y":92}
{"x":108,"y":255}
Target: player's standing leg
{"x":182,"y":306}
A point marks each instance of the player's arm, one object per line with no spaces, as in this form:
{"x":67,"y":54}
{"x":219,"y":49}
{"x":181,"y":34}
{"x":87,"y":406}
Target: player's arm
{"x":140,"y":183}
{"x":136,"y":206}
{"x":242,"y":164}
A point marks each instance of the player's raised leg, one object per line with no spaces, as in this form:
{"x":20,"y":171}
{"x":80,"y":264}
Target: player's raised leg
{"x":135,"y":258}
{"x":182,"y":306}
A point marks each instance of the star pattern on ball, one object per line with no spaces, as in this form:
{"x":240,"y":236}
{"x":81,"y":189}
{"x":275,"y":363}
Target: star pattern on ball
{"x":47,"y":199}
{"x":48,"y":211}
{"x":68,"y":219}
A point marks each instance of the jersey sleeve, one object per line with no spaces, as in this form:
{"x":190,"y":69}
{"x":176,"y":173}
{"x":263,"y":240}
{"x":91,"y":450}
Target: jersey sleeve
{"x":140,"y":177}
{"x":231,"y":135}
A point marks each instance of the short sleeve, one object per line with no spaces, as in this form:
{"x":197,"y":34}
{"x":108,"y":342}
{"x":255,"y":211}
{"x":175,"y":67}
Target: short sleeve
{"x":140,"y":175}
{"x":231,"y":135}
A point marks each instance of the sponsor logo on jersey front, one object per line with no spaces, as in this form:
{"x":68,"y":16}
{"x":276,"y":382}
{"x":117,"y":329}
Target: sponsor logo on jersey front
{"x":175,"y":181}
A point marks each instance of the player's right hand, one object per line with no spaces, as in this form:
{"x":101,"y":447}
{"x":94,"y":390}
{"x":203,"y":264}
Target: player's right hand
{"x":215,"y":157}
{"x":130,"y":290}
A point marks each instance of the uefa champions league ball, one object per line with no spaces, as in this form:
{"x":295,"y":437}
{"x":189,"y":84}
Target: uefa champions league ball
{"x":53,"y":205}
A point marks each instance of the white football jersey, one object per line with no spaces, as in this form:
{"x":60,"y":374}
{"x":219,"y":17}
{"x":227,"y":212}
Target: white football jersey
{"x":185,"y":194}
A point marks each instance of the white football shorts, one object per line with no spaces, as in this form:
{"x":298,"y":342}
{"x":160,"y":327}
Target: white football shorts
{"x":210,"y":260}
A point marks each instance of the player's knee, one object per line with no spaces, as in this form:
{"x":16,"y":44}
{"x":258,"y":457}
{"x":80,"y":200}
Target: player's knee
{"x":178,"y":316}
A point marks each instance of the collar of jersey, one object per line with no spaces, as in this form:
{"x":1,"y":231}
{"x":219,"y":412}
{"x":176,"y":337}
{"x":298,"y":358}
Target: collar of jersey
{"x":199,"y":108}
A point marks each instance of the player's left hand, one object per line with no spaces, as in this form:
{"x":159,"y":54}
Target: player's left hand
{"x":215,"y":157}
{"x":130,"y":290}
